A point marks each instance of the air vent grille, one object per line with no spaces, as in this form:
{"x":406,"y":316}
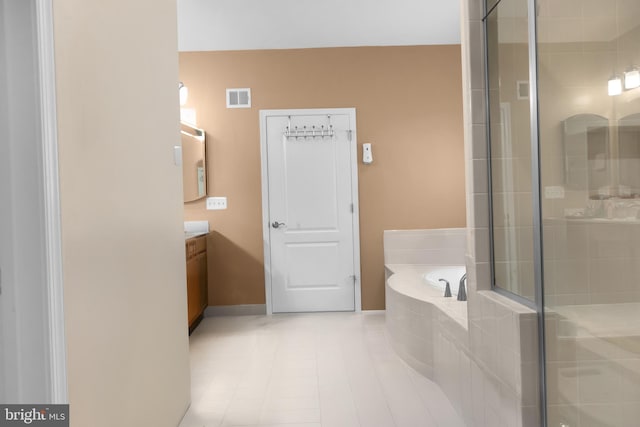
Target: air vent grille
{"x":239,"y":98}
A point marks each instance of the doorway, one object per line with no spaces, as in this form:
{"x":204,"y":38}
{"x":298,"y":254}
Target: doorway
{"x":310,"y":210}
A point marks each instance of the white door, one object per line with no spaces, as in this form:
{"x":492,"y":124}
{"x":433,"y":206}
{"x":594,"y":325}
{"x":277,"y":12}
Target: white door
{"x":312,"y":260}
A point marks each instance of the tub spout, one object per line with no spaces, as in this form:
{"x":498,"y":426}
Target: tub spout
{"x":447,"y":288}
{"x":462,"y":292}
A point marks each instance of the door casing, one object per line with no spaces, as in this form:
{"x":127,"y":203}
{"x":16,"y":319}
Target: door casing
{"x":351,"y":112}
{"x":42,"y":323}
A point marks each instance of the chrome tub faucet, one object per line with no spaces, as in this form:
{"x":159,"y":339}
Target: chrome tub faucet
{"x":462,"y":292}
{"x":447,"y":288}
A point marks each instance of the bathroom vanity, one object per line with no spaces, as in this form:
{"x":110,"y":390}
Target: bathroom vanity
{"x":197,"y":279}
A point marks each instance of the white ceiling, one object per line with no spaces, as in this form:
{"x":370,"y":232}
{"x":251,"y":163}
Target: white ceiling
{"x":289,"y":24}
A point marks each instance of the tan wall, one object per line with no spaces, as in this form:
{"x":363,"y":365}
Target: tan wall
{"x":123,"y":246}
{"x":409,"y":107}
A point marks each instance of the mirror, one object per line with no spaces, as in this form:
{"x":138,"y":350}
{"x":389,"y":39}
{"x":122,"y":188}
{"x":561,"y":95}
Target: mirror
{"x":194,"y":162}
{"x":629,"y":155}
{"x":586,"y":153}
{"x":601,"y":159}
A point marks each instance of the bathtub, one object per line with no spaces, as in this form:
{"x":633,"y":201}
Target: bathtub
{"x":452,"y":274}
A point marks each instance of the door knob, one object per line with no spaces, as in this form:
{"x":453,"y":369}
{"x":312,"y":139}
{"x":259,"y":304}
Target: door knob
{"x":277,"y":224}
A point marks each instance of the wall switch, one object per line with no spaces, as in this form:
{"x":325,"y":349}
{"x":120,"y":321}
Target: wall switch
{"x":216,"y":203}
{"x":177,"y":155}
{"x":554,"y":192}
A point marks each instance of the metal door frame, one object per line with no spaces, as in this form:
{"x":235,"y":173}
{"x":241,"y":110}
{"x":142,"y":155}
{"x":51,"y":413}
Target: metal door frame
{"x":538,"y":255}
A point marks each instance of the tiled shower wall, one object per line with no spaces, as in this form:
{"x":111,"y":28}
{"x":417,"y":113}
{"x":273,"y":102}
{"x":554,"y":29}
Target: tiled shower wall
{"x":591,"y":263}
{"x":502,"y":333}
{"x":489,"y":373}
{"x":442,"y":246}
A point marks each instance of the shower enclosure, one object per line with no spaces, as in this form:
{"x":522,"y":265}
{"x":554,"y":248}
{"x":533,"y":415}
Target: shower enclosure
{"x":563,"y":106}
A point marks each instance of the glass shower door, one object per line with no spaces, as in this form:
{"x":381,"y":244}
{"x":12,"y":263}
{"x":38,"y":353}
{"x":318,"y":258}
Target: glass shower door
{"x":589,"y":133}
{"x":510,"y":149}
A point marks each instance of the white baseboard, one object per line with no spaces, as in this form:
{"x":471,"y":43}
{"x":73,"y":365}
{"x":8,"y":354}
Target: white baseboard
{"x":235,"y":310}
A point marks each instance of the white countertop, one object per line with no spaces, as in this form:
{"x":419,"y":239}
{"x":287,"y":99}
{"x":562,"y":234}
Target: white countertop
{"x":195,"y":228}
{"x":191,"y":235}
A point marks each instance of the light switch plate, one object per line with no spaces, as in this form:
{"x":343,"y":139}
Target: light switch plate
{"x":177,"y":155}
{"x":216,"y":203}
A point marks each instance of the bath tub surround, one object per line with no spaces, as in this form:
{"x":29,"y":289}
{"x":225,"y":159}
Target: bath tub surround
{"x":419,"y":316}
{"x":410,"y":280}
{"x":482,"y":353}
{"x":438,"y":247}
{"x":416,"y":312}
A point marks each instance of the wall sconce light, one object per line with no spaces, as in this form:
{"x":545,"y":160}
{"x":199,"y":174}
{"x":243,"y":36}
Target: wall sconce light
{"x":615,"y":86}
{"x":632,"y":79}
{"x":184,"y":93}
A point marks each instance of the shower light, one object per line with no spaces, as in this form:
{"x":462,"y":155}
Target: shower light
{"x":632,"y":79}
{"x":615,"y":86}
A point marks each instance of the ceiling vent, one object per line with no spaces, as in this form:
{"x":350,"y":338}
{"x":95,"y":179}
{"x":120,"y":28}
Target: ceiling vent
{"x":239,"y":98}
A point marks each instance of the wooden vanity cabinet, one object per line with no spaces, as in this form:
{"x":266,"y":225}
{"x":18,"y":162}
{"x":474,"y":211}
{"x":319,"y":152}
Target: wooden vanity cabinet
{"x":197,"y":279}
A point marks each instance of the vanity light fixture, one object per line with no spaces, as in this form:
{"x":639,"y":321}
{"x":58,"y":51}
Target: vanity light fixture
{"x":184,"y":93}
{"x":632,"y":79}
{"x":615,"y":86}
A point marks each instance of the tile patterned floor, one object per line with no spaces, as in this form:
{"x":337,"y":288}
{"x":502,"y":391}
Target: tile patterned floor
{"x":307,"y":370}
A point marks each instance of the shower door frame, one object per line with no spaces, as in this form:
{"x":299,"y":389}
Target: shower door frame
{"x":538,"y":303}
{"x":538,"y":256}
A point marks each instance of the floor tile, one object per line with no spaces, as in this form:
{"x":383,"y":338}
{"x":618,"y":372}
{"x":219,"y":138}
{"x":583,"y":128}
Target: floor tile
{"x":201,"y":419}
{"x":292,"y":403}
{"x":307,"y":370}
{"x":287,"y":416}
{"x":243,"y":412}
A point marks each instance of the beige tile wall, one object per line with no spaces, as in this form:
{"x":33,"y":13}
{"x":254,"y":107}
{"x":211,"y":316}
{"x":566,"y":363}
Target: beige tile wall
{"x":487,"y":366}
{"x":410,"y":328}
{"x":486,"y":362}
{"x":502,"y":349}
{"x":591,"y":380}
{"x":591,"y":263}
{"x":442,"y":246}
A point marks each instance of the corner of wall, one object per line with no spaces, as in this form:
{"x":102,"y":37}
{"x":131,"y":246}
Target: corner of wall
{"x":121,"y":208}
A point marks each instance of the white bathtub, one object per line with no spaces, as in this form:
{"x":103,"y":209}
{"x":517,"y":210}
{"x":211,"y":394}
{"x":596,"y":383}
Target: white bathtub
{"x":452,"y":274}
